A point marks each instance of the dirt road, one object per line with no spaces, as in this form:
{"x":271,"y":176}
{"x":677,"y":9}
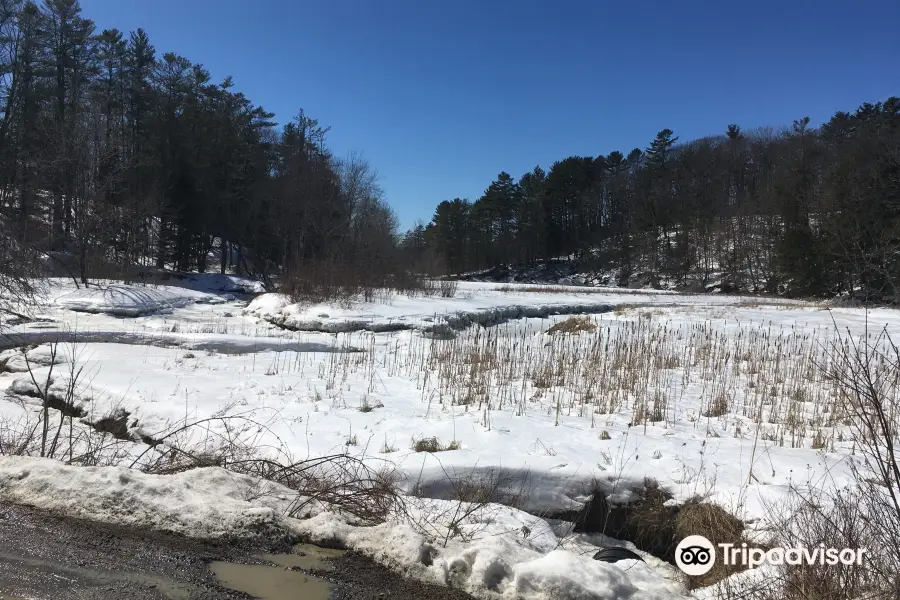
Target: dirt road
{"x":44,"y":557}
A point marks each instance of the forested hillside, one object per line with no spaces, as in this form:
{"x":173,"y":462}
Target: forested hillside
{"x":802,"y":211}
{"x":114,"y":154}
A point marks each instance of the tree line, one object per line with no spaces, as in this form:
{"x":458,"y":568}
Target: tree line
{"x":799,"y":211}
{"x":113,"y":155}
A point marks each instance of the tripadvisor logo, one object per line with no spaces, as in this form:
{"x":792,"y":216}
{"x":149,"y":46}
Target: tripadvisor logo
{"x":696,"y":555}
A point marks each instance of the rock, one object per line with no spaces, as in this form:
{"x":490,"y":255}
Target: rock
{"x":612,"y":555}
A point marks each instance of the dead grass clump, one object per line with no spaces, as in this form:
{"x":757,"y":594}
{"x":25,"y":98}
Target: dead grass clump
{"x":432,"y":444}
{"x":115,"y":424}
{"x":574,"y":325}
{"x":646,"y":522}
{"x":718,"y":407}
{"x":715,"y":524}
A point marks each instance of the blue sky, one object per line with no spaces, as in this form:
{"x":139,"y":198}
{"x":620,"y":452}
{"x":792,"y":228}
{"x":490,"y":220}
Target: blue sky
{"x":440,"y":96}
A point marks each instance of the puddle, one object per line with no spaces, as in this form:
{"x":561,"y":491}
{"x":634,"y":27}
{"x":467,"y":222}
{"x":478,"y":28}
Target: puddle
{"x":304,"y":556}
{"x":57,"y":574}
{"x":281,"y":582}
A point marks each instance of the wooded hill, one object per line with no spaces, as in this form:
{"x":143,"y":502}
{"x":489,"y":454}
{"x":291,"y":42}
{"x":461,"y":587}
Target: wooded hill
{"x":802,"y":211}
{"x":113,"y":154}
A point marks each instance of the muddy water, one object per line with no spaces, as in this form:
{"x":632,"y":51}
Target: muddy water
{"x":286,"y":581}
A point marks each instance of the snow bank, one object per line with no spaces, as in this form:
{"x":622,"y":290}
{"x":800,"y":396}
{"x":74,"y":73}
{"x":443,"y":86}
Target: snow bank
{"x":430,"y":315}
{"x":501,"y":561}
{"x":13,"y":361}
{"x":215,"y":282}
{"x":132,"y":300}
{"x":505,"y":552}
{"x":229,"y":344}
{"x":203,"y":503}
{"x":475,"y":303}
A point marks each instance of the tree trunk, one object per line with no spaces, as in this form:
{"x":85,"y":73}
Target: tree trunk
{"x":223,"y":256}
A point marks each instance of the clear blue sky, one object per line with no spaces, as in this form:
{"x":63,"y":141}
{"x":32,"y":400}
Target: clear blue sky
{"x":440,"y":96}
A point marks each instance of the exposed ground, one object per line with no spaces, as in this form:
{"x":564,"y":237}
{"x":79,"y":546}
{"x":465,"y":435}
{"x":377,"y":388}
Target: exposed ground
{"x":46,"y":557}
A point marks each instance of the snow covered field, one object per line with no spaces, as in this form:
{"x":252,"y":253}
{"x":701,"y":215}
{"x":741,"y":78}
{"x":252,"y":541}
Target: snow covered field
{"x":712,"y":396}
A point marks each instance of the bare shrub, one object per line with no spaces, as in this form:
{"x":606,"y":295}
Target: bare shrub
{"x":340,"y":482}
{"x":448,"y":288}
{"x":828,"y":518}
{"x":490,"y":487}
{"x":475,"y":498}
{"x":429,"y":288}
{"x":343,"y":281}
{"x":18,"y":268}
{"x":560,"y":289}
{"x":867,"y":372}
{"x":60,"y":429}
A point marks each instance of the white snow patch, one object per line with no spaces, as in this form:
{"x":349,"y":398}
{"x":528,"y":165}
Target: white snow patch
{"x":133,"y":300}
{"x":496,"y":563}
{"x":202,"y":503}
{"x":431,"y":315}
{"x":475,"y":303}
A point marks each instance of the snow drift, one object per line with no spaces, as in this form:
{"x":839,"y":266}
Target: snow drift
{"x":132,"y":300}
{"x":495,"y":560}
{"x":202,"y":503}
{"x":429,"y":315}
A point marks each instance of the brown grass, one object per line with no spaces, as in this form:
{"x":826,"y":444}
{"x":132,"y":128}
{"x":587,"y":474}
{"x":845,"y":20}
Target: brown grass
{"x":432,"y":444}
{"x":715,"y":524}
{"x":581,"y":324}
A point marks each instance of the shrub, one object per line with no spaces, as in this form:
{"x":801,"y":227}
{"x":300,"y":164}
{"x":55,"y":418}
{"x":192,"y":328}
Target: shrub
{"x":448,"y":288}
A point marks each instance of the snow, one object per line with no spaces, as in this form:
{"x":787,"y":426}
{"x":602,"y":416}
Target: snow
{"x":368,"y":379}
{"x":498,"y":564}
{"x":448,"y":314}
{"x":203,"y":503}
{"x":132,"y":300}
{"x":474,"y":303}
{"x":212,"y":502}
